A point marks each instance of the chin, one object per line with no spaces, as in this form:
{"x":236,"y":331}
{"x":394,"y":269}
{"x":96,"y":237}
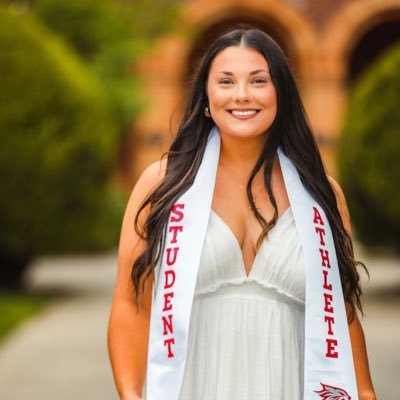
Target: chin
{"x":244,"y":133}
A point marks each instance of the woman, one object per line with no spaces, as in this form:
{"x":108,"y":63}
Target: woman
{"x":246,"y":334}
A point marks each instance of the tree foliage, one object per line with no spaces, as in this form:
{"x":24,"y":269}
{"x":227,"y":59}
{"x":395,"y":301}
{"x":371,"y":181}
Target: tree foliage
{"x":58,"y":145}
{"x":111,"y":36}
{"x":68,"y":93}
{"x":368,"y":155}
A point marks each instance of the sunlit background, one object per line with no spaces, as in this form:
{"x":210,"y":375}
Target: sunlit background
{"x":91,"y":93}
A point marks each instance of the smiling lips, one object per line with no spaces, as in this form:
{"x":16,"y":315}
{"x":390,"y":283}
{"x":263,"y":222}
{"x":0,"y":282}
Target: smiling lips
{"x":244,"y":113}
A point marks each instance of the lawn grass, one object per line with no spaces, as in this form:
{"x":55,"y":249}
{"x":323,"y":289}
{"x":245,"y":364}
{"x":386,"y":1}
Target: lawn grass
{"x":16,"y":307}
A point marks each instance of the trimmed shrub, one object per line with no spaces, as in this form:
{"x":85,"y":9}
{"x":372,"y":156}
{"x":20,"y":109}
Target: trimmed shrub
{"x":369,"y":151}
{"x":100,"y":33}
{"x":58,"y":148}
{"x":111,"y":36}
{"x":90,"y":26}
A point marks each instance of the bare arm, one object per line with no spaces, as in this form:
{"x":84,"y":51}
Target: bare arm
{"x":359,"y":348}
{"x":128,"y":329}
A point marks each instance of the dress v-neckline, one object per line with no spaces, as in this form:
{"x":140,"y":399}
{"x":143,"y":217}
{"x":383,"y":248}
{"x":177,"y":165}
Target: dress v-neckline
{"x":237,"y":244}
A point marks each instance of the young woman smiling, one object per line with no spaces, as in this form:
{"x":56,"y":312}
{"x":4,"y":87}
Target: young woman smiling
{"x":247,"y":332}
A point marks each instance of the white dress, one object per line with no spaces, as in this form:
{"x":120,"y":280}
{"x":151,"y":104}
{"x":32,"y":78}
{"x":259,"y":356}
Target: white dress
{"x":246,"y":336}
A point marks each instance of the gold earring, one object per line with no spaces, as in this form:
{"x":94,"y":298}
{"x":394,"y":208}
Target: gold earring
{"x":207,"y":112}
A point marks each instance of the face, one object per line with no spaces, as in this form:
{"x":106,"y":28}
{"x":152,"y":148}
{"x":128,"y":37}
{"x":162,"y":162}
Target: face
{"x":242,"y":97}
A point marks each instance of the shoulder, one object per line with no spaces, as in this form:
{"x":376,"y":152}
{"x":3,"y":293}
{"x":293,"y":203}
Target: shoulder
{"x":154,"y":173}
{"x":131,"y":243}
{"x":147,"y":182}
{"x":341,"y":203}
{"x":151,"y":177}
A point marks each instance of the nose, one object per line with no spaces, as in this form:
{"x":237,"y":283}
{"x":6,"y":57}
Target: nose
{"x":242,"y":93}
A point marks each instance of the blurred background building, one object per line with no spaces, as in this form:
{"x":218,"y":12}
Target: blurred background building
{"x":329,"y":43}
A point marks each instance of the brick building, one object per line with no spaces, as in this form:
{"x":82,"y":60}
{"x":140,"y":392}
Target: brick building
{"x":329,"y":43}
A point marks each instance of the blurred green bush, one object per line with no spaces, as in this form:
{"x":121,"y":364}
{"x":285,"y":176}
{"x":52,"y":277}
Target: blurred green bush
{"x":368,"y":156}
{"x":68,"y":97}
{"x":58,"y":148}
{"x":110,"y":36}
{"x":17,"y":307}
{"x":101,"y":34}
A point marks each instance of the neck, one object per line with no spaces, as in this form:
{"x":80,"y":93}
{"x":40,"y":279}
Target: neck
{"x":241,"y":153}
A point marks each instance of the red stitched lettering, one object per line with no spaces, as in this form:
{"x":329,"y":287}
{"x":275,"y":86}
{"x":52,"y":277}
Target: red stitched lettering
{"x":169,"y":342}
{"x":175,"y":229}
{"x":327,"y":286}
{"x":330,"y":320}
{"x":321,"y":232}
{"x":317,"y":217}
{"x":328,"y":300}
{"x":167,"y":301}
{"x":169,"y":260}
{"x":331,"y":343}
{"x":325,"y":258}
{"x":330,"y":348}
{"x":179,"y":214}
{"x":167,"y":324}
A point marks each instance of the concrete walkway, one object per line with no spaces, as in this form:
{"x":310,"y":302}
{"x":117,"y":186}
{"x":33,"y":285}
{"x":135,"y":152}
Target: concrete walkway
{"x":381,"y":322}
{"x":62,"y":353}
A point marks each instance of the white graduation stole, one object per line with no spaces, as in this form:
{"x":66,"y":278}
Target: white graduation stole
{"x":328,"y":362}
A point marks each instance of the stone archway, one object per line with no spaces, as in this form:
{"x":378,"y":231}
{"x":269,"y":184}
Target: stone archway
{"x":373,"y":44}
{"x":340,"y":37}
{"x":350,"y":24}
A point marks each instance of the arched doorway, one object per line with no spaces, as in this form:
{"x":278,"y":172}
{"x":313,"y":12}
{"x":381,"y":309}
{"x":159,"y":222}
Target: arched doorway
{"x":353,"y":37}
{"x":373,"y":43}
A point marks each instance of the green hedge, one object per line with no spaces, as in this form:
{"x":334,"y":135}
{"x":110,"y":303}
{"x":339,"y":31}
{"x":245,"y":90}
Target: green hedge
{"x":369,"y":152}
{"x":100,"y":32}
{"x":111,"y":36}
{"x":58,"y":146}
{"x":90,"y":26}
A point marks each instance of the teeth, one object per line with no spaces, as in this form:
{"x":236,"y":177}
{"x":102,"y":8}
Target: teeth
{"x":243,"y":113}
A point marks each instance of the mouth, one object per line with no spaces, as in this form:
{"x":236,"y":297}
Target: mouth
{"x":243,"y":113}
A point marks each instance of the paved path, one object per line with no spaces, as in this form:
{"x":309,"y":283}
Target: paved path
{"x":382,"y":322}
{"x":62,"y":354}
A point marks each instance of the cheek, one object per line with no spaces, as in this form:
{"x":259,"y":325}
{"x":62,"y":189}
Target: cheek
{"x":217,"y":98}
{"x":270,"y":102}
{"x":269,"y":97}
{"x":271,"y":106}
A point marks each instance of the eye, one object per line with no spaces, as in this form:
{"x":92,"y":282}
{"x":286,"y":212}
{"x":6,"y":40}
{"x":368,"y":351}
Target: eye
{"x":259,"y":81}
{"x":225,"y":81}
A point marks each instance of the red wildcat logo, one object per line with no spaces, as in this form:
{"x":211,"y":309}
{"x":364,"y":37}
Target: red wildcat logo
{"x":332,"y":393}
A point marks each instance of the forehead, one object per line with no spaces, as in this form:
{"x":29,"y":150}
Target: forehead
{"x":238,"y":59}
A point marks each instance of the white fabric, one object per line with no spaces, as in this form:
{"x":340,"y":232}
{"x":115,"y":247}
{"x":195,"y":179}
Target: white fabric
{"x":328,"y":359}
{"x":329,"y":370}
{"x":246,"y":336}
{"x":175,"y":279}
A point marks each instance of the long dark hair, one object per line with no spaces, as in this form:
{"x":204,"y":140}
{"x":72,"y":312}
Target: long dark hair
{"x":290,"y":130}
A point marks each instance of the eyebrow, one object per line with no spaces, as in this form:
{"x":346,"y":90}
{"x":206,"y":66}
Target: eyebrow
{"x":257,"y":71}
